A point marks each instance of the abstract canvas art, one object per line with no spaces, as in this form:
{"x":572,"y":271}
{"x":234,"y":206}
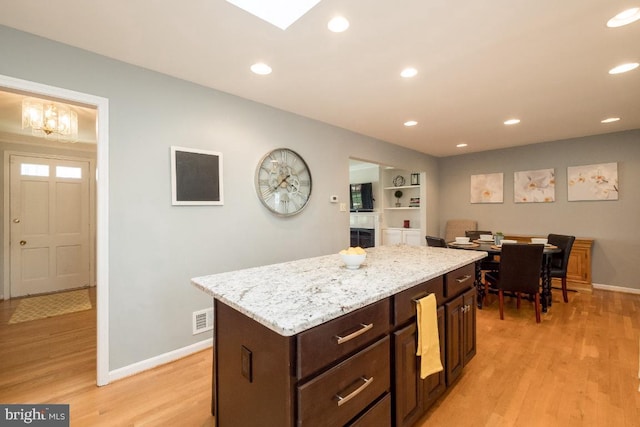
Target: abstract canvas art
{"x":537,"y":186}
{"x":593,"y":182}
{"x":487,"y":188}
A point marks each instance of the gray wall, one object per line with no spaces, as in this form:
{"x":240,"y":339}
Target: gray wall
{"x":613,"y":224}
{"x":155,"y":248}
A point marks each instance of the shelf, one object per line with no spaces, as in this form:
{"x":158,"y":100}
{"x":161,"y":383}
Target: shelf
{"x":402,"y":208}
{"x":404,"y":186}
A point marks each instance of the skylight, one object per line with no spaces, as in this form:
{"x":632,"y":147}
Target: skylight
{"x":281,"y":13}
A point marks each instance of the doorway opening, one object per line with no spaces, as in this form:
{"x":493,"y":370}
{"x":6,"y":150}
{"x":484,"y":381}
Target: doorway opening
{"x":101,"y":106}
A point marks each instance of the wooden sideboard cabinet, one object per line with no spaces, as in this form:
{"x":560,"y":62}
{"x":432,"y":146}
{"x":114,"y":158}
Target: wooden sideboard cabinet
{"x":579,"y":268}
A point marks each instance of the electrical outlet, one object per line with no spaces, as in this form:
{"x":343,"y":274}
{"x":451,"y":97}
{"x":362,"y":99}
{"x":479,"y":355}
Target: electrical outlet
{"x":343,"y":207}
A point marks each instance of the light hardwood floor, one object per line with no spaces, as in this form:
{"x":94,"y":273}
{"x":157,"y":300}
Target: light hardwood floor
{"x":579,"y":367}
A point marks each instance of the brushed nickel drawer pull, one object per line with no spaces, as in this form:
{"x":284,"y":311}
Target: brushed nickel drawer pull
{"x":365,"y":328}
{"x":354,"y":393}
{"x":417,"y":300}
{"x":463,"y":278}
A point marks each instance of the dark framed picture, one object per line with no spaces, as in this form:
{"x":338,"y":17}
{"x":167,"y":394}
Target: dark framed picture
{"x":196,"y":177}
{"x":415,"y":179}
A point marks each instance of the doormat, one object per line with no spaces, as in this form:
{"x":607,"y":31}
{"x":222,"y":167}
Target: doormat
{"x":34,"y":308}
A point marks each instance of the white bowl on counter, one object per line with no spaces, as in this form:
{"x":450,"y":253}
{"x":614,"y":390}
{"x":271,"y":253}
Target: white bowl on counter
{"x":486,"y":237}
{"x":353,"y":261}
{"x":539,"y":240}
{"x":507,"y":241}
{"x":462,"y":240}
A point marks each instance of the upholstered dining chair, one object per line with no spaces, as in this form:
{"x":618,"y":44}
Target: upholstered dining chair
{"x":457,"y":227}
{"x":437,"y":242}
{"x":520,"y":265}
{"x":560,"y":260}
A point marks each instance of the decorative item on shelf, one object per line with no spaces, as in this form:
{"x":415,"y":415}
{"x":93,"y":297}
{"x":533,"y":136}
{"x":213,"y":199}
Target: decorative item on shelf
{"x":414,"y":202}
{"x":407,"y":223}
{"x":397,"y":195}
{"x":50,"y":120}
{"x":398,"y":181}
{"x":415,"y":179}
{"x":498,"y":238}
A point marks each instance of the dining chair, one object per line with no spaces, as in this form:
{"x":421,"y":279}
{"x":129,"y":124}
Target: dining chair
{"x":456,"y":228}
{"x":519,"y":273}
{"x":560,"y":260}
{"x":437,"y":242}
{"x":487,"y":264}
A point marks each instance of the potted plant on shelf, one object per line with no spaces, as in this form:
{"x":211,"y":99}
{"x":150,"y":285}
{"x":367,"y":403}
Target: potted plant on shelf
{"x":397,"y":195}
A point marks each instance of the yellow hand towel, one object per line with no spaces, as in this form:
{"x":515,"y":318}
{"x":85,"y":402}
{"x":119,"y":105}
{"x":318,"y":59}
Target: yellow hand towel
{"x":428,"y":339}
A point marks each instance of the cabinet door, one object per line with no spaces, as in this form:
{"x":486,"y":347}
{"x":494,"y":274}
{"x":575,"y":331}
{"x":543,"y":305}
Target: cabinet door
{"x":454,"y":328}
{"x":408,"y":390}
{"x":434,"y":385}
{"x":461,"y":333}
{"x":412,"y":237}
{"x":391,"y":237}
{"x":469,"y":325}
{"x":414,"y":395}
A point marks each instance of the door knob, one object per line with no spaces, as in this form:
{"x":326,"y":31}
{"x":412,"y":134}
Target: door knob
{"x":23,"y":242}
{"x":16,"y":220}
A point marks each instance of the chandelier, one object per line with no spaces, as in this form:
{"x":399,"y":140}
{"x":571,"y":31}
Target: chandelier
{"x":50,"y":120}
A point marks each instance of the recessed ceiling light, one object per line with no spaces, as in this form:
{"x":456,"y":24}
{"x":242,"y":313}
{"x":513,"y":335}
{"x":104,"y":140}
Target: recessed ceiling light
{"x":261,"y":68}
{"x":512,"y":122}
{"x":623,"y":18}
{"x":610,"y":120}
{"x":410,"y":123}
{"x":623,"y":68}
{"x":338,"y":24}
{"x":409,"y":72}
{"x":461,"y":145}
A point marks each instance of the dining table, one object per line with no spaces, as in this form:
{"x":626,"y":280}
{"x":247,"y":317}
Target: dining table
{"x":494,"y":250}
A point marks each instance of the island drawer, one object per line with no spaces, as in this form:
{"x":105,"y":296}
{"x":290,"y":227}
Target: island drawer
{"x":459,"y":280}
{"x":379,"y":415}
{"x":327,"y":343}
{"x":338,"y":395}
{"x":404,"y":303}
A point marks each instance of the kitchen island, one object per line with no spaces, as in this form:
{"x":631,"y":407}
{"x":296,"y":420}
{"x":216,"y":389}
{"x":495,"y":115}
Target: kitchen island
{"x":309,"y":342}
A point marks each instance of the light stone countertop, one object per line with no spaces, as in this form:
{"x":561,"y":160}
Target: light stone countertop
{"x":294,"y":296}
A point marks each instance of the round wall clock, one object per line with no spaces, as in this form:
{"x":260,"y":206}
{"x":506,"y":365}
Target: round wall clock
{"x":283,"y":182}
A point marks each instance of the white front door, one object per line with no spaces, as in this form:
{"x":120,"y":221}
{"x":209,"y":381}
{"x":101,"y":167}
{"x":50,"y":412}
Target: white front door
{"x":49,"y":208}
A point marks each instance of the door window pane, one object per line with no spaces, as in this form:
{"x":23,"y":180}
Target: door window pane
{"x":68,"y":172}
{"x":30,"y":169}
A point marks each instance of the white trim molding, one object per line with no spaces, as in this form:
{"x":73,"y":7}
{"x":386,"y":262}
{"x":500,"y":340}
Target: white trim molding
{"x":154,"y":362}
{"x":616,"y":288}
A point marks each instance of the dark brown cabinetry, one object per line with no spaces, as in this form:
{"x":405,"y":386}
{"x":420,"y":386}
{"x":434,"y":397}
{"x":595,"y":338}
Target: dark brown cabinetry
{"x":457,"y":333}
{"x":461,"y":333}
{"x":414,"y":395}
{"x":358,"y":370}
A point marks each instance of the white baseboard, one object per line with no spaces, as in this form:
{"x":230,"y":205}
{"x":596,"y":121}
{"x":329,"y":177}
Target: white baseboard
{"x":156,"y":361}
{"x":616,"y":288}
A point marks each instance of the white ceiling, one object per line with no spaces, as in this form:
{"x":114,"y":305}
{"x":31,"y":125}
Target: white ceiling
{"x":479,"y":62}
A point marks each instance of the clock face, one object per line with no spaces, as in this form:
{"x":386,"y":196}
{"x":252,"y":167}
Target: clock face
{"x":283,"y":182}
